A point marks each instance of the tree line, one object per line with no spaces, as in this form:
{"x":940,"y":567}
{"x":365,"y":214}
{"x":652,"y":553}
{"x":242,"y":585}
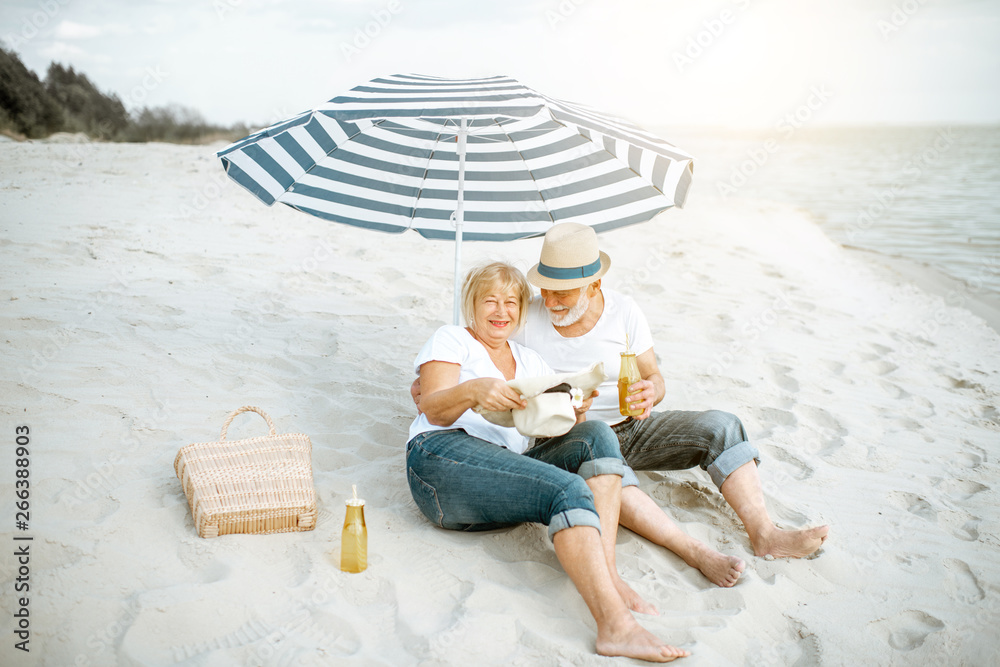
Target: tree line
{"x":67,"y":101}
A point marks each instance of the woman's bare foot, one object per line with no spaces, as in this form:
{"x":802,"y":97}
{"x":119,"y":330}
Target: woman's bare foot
{"x":629,"y":639}
{"x":720,"y":569}
{"x":632,"y":599}
{"x":790,"y":543}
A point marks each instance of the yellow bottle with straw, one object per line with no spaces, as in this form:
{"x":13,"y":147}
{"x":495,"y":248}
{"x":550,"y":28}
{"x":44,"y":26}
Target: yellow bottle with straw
{"x":354,"y":537}
{"x":628,"y":375}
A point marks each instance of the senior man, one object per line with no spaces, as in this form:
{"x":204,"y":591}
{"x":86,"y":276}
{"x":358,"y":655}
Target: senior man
{"x":575,"y":322}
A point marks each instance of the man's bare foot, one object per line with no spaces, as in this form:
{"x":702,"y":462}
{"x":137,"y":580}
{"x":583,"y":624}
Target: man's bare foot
{"x":790,"y":543}
{"x":720,"y":569}
{"x":631,"y":640}
{"x":632,"y":599}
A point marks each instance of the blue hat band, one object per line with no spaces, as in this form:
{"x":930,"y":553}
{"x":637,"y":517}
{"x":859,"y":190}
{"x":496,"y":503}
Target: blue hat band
{"x":569,"y":273}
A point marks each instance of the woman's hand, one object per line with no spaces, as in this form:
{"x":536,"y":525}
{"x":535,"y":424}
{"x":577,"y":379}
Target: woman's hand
{"x":581,"y":412}
{"x":493,"y":395}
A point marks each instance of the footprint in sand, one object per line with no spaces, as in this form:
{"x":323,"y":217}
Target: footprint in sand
{"x":913,"y":504}
{"x":780,"y":376}
{"x":968,"y":531}
{"x":990,"y":414}
{"x":882,"y":367}
{"x":968,"y":459}
{"x":960,"y":524}
{"x":965,"y":384}
{"x":835,"y":367}
{"x":795,"y":466}
{"x":830,"y":446}
{"x":652,"y":289}
{"x":881,"y":350}
{"x":893,"y":390}
{"x":959,"y":490}
{"x":906,"y":631}
{"x":819,"y":417}
{"x":775,"y":416}
{"x":961,"y":463}
{"x":908,"y":424}
{"x":865,"y":357}
{"x":961,"y":583}
{"x":912,"y":563}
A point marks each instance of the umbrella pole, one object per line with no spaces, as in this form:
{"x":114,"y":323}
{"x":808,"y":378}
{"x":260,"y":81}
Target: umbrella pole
{"x":459,"y":218}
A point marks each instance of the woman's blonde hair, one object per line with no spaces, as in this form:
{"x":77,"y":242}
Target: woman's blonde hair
{"x":494,"y":275}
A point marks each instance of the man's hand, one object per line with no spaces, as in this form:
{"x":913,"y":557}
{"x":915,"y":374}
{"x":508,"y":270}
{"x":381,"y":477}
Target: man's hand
{"x":644,"y":398}
{"x":652,"y":385}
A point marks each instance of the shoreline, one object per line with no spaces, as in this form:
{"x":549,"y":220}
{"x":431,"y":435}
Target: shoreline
{"x":955,"y":292}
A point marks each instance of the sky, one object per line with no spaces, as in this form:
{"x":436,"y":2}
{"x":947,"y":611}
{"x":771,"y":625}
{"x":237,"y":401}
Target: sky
{"x":739,"y":63}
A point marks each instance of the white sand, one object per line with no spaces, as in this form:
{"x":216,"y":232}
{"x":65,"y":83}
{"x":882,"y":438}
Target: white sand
{"x":146,"y":297}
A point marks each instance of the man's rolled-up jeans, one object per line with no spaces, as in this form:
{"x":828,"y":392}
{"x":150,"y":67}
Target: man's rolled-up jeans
{"x":677,"y":440}
{"x":461,"y":482}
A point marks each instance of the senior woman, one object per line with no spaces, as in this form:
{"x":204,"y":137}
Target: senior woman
{"x":466,"y":473}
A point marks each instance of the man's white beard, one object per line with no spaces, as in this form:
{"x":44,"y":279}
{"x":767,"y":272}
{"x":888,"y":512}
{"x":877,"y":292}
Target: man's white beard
{"x":564,"y":318}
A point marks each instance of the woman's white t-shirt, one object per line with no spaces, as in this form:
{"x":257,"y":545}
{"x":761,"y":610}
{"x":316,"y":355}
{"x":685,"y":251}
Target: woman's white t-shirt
{"x":455,"y":345}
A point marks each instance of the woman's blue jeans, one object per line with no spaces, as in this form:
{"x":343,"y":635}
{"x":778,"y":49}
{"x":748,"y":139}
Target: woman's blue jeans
{"x":461,"y":482}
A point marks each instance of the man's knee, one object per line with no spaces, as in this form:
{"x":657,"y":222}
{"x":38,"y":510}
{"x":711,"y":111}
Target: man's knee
{"x":726,"y":429}
{"x":603,"y":441}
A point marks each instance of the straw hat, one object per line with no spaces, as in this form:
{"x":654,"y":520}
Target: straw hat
{"x":569,"y":259}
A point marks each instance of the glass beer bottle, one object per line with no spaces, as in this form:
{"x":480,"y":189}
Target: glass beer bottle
{"x":627,"y":376}
{"x":354,"y":538}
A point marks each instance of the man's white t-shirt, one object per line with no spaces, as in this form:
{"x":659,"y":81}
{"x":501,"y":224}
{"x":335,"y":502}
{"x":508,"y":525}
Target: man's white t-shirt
{"x":455,"y":345}
{"x":605,"y":342}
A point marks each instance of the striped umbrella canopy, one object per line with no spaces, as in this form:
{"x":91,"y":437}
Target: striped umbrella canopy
{"x":481,"y":159}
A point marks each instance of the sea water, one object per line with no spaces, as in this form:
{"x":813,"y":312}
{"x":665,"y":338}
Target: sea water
{"x":926,"y":194}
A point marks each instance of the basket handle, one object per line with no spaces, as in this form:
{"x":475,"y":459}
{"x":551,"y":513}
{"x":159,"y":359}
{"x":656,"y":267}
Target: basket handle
{"x":245,"y":408}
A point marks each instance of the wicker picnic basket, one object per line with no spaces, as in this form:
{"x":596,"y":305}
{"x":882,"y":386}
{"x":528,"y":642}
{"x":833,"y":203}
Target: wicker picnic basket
{"x":255,"y":486}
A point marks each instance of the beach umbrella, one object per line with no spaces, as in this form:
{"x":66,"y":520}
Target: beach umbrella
{"x":481,"y":159}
